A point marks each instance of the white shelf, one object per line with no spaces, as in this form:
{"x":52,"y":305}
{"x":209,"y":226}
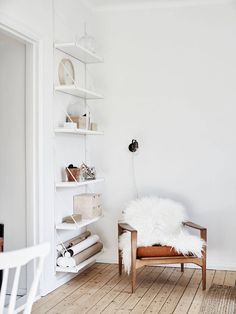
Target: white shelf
{"x":77,"y":131}
{"x":78,"y":225}
{"x":76,"y":184}
{"x":79,"y":267}
{"x":76,"y":51}
{"x":78,"y":91}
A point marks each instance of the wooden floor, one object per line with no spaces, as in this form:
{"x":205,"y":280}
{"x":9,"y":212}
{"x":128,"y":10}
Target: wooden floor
{"x":100,"y":289}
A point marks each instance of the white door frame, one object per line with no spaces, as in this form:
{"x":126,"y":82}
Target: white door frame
{"x":33,"y":98}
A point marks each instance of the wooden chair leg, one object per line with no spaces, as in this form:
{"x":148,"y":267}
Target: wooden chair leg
{"x":120,"y":262}
{"x":182,"y":267}
{"x":119,"y":251}
{"x":133,"y":278}
{"x":204,"y":237}
{"x":133,"y":259}
{"x":204,"y":277}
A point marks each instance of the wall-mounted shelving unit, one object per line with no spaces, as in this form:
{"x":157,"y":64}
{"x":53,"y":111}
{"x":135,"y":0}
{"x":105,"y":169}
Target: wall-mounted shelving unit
{"x":85,"y":56}
{"x":78,"y":92}
{"x":79,"y":267}
{"x":78,"y":225}
{"x":77,"y":131}
{"x":78,"y":52}
{"x":76,"y":184}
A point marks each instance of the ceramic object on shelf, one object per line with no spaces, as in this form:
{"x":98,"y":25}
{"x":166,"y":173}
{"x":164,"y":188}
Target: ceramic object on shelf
{"x":70,"y":125}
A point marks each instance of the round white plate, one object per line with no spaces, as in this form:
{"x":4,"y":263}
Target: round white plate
{"x":66,"y":72}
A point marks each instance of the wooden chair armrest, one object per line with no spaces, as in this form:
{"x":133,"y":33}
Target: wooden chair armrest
{"x":126,"y":227}
{"x":203,"y":230}
{"x":193,"y":225}
{"x":122,"y":227}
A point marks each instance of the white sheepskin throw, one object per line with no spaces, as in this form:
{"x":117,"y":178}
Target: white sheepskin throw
{"x":158,"y":221}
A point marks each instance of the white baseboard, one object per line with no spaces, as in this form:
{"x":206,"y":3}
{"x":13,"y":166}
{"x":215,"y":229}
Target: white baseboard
{"x":222,"y":267}
{"x":230,"y":267}
{"x":56,"y":284}
{"x":61,"y":281}
{"x":111,"y":260}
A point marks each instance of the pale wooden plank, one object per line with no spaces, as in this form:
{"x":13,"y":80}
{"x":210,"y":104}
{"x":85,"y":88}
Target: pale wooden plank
{"x":219,"y":277}
{"x":126,"y":293}
{"x":189,"y":293}
{"x":140,"y":291}
{"x":153,"y":291}
{"x":109,"y":297}
{"x":67,"y":304}
{"x":86,"y":304}
{"x":163,"y":294}
{"x":230,"y":278}
{"x":99,"y":289}
{"x":199,"y":296}
{"x":52,"y":299}
{"x":177,"y":292}
{"x":69,"y":284}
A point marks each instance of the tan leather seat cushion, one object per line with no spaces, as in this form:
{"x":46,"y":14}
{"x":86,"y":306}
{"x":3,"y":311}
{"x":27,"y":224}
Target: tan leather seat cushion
{"x":156,"y":251}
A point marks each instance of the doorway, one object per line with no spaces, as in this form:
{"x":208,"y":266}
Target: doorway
{"x":19,"y":163}
{"x":13,"y":143}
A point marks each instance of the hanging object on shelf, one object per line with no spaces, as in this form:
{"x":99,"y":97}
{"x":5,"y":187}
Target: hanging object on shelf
{"x":73,"y":173}
{"x":74,"y":218}
{"x":87,"y":173}
{"x":87,"y":41}
{"x":66,"y":73}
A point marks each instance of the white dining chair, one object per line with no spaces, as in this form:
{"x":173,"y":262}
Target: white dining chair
{"x":15,"y":260}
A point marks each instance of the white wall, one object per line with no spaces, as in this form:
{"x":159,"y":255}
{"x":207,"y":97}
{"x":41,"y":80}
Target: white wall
{"x":12,"y":142}
{"x":169,"y":81}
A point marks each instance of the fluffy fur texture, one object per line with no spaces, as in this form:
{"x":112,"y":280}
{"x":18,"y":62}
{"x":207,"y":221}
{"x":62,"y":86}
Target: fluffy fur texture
{"x":158,"y":221}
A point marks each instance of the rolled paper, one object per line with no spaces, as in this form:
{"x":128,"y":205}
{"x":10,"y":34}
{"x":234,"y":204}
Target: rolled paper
{"x":81,"y":246}
{"x":92,"y":250}
{"x":80,"y":238}
{"x":66,"y":261}
{"x":80,"y":257}
{"x":69,"y":243}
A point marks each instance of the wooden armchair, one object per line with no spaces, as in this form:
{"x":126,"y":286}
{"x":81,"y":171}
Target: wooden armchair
{"x":155,"y":255}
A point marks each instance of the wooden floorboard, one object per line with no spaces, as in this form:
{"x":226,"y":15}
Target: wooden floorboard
{"x":149,"y":296}
{"x":186,"y":299}
{"x":100,"y":289}
{"x":177,"y":292}
{"x":164,"y":293}
{"x":200,"y":294}
{"x":46,"y":303}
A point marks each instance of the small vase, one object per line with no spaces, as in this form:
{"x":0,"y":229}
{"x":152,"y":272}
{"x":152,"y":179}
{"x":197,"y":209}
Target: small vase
{"x":72,"y":174}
